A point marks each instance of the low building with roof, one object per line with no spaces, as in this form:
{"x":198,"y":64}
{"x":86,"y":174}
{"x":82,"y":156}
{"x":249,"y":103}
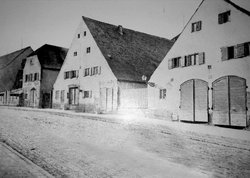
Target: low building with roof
{"x":107,"y":68}
{"x":39,"y":74}
{"x":11,"y":72}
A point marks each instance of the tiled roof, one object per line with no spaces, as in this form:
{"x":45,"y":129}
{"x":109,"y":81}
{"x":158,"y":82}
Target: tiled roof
{"x":11,"y":68}
{"x":50,"y":56}
{"x":130,"y":54}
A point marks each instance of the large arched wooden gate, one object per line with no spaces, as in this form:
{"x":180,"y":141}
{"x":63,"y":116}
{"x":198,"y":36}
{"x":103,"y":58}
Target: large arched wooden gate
{"x":194,"y":101}
{"x":229,"y":101}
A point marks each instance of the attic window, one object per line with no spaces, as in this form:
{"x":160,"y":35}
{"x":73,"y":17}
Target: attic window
{"x":196,"y":26}
{"x":84,"y":33}
{"x":78,"y":35}
{"x":75,"y":53}
{"x":224,"y":17}
{"x":31,"y":62}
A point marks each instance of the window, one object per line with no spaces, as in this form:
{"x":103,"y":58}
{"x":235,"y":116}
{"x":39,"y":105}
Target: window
{"x":26,"y":78}
{"x":73,"y":74}
{"x":31,"y":62}
{"x":75,"y":53}
{"x":36,"y":76}
{"x":87,"y":94}
{"x":78,"y":35}
{"x":196,"y":26}
{"x":174,"y":63}
{"x":66,"y":75}
{"x":224,"y":17}
{"x":25,"y":96}
{"x":163,"y":93}
{"x":188,"y":60}
{"x":84,"y":33}
{"x":234,"y":52}
{"x":62,"y":96}
{"x":57,"y":95}
{"x":86,"y":72}
{"x":88,"y":50}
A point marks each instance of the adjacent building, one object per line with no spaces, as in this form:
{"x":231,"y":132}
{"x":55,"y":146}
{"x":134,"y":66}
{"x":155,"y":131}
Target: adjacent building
{"x":39,"y":74}
{"x":107,"y":68}
{"x":205,"y":75}
{"x":11,"y":70}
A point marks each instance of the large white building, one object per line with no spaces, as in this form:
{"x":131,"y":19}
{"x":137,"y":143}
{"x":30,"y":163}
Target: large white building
{"x":107,"y":68}
{"x":204,"y":77}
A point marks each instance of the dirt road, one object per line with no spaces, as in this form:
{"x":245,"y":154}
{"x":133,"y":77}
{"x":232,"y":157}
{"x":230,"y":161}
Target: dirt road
{"x":71,"y":145}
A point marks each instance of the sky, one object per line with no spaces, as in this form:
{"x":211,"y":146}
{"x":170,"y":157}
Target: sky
{"x":37,"y":22}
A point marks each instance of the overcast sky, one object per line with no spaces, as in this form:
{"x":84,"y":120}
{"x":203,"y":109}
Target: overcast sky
{"x":36,"y":22}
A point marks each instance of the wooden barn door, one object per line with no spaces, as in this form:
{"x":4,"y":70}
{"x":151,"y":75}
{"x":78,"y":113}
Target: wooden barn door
{"x":229,"y":101}
{"x":106,"y":97}
{"x":194,"y":101}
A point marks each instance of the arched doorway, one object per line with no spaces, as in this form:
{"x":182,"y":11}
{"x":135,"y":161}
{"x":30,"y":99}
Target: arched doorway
{"x":194,"y":101}
{"x":229,"y":101}
{"x":33,"y":97}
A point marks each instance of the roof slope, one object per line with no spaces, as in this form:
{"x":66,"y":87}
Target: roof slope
{"x":50,"y":56}
{"x":131,"y":54}
{"x":10,"y":67}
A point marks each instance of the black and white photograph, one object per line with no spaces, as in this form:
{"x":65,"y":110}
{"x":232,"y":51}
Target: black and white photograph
{"x":124,"y":88}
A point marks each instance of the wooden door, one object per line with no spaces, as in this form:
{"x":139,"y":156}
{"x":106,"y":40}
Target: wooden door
{"x":187,"y":101}
{"x":73,"y":96}
{"x":32,"y":97}
{"x":194,"y":101}
{"x":106,"y":99}
{"x":229,"y":101}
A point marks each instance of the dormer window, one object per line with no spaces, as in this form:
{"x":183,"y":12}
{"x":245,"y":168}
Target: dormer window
{"x":196,"y":26}
{"x":224,"y":17}
{"x":75,"y":53}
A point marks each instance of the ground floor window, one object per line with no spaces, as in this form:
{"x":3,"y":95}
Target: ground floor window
{"x":87,"y":94}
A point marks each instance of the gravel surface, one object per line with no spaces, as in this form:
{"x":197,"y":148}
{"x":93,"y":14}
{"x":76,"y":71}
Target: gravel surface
{"x":68,"y":144}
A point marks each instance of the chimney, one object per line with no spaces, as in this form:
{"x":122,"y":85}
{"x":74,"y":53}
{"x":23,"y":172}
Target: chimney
{"x":120,"y":29}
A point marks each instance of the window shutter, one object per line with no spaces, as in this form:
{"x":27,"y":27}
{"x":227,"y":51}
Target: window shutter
{"x":192,"y":27}
{"x":77,"y":73}
{"x":220,"y":18}
{"x":160,"y":93}
{"x":224,"y":53}
{"x":201,"y":58}
{"x":182,"y":61}
{"x":170,"y":62}
{"x":198,"y":26}
{"x":100,"y":69}
{"x":239,"y":50}
{"x":246,"y":49}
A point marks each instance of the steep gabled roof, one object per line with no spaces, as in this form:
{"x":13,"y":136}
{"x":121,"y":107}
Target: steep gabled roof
{"x":238,"y":7}
{"x":11,"y":68}
{"x":130,"y":54}
{"x":50,"y":56}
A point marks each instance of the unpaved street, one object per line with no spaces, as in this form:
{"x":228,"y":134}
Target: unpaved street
{"x":72,"y":145}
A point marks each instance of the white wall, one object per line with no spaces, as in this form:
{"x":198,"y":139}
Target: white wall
{"x":80,"y":62}
{"x":209,"y":40}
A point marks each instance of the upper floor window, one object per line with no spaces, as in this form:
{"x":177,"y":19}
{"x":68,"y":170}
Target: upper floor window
{"x":163,"y":93}
{"x":86,"y":72}
{"x":66,"y":75}
{"x":84,"y":33}
{"x":196,"y":26}
{"x":237,"y":51}
{"x":75,"y":53}
{"x":36,"y":76}
{"x":224,"y":17}
{"x":73,"y":74}
{"x":174,"y":63}
{"x":88,"y":50}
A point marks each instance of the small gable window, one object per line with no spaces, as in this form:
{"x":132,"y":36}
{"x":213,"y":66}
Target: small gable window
{"x":78,"y":35}
{"x":88,"y":50}
{"x":163,"y":93}
{"x":224,"y":17}
{"x":84,"y":33}
{"x":75,"y":53}
{"x":196,"y":26}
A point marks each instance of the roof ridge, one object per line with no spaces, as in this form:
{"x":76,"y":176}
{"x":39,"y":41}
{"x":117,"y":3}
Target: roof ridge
{"x":87,"y":18}
{"x":238,"y":7}
{"x":20,"y":50}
